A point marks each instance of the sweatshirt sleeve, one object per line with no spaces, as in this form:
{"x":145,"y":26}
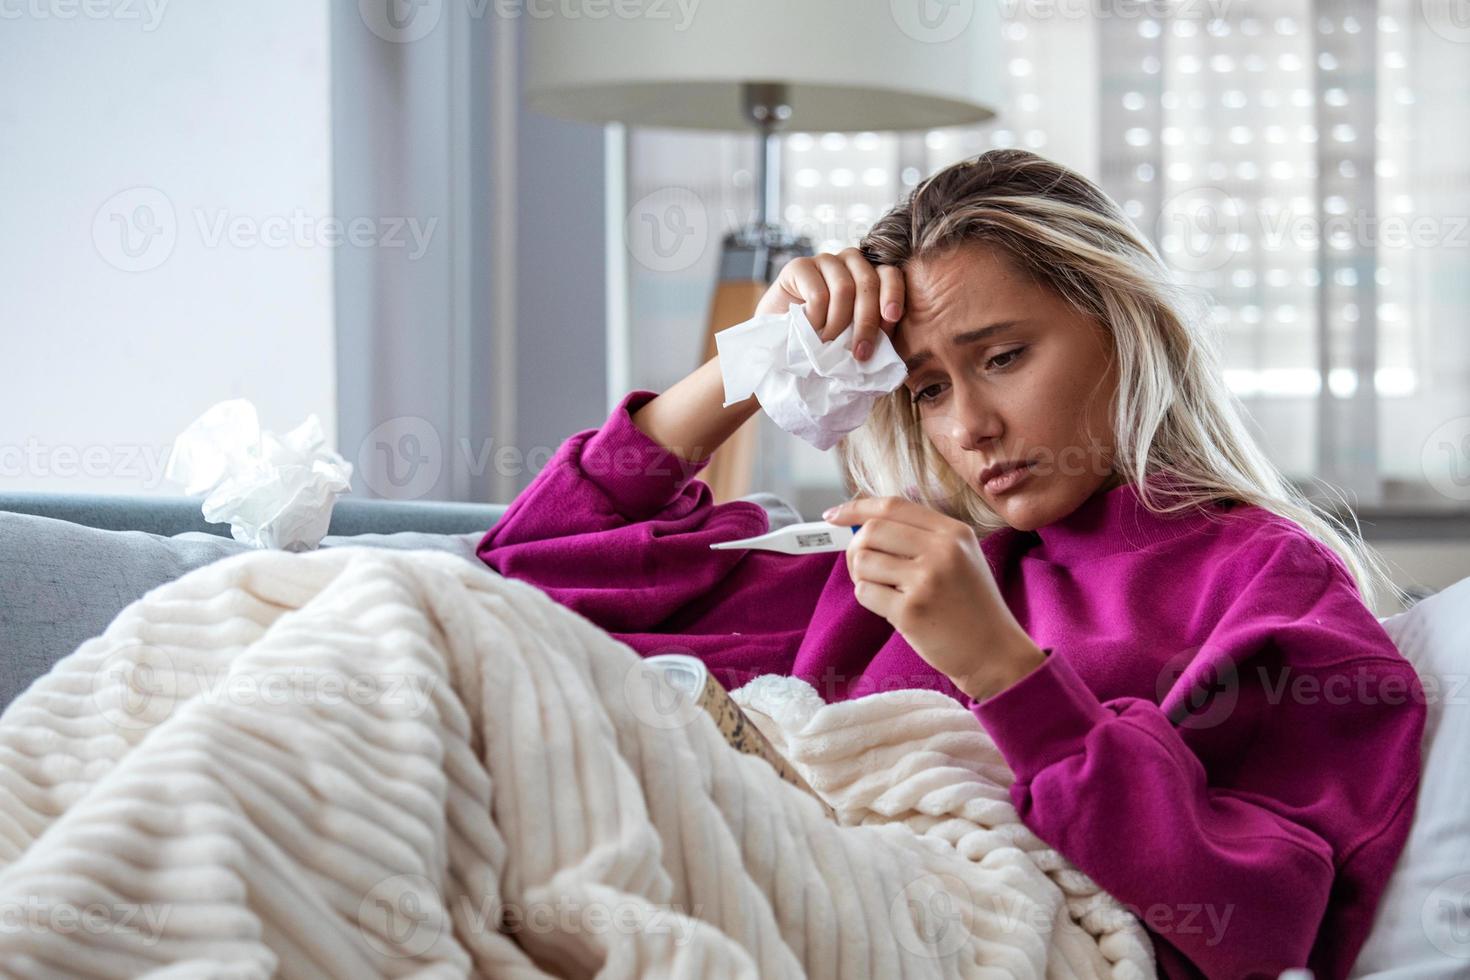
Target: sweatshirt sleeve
{"x":1242,"y":869}
{"x":616,"y":527}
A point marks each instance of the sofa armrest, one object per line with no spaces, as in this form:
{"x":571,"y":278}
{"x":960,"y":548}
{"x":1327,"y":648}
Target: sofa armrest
{"x":169,"y":515}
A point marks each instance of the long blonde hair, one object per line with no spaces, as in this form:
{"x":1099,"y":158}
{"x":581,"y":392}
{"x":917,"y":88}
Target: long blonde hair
{"x":1173,"y":412}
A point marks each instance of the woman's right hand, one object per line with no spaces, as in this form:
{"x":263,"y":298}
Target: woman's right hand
{"x":691,"y":418}
{"x":839,"y":290}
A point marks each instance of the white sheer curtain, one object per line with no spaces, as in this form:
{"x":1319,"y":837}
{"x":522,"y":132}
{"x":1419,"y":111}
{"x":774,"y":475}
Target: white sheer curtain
{"x":1305,"y":162}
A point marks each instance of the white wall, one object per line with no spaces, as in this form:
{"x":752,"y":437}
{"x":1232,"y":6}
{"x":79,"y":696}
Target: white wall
{"x":204,"y":112}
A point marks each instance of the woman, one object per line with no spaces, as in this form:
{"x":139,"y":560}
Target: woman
{"x":1067,"y":528}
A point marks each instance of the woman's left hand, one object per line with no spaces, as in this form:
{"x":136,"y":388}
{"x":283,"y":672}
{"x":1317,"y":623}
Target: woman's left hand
{"x":925,"y":573}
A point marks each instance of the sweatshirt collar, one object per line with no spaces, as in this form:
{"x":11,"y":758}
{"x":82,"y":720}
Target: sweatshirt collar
{"x":1116,"y":520}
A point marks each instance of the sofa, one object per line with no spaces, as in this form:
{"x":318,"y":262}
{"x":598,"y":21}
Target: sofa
{"x":70,"y":563}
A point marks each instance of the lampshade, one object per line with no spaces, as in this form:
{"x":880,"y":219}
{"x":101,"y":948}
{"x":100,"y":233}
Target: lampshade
{"x":895,"y":65}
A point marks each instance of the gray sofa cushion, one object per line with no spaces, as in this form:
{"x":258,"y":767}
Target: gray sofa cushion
{"x":61,"y":583}
{"x":778,"y":511}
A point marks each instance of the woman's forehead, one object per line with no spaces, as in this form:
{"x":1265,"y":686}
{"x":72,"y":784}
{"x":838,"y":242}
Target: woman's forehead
{"x":965,"y":281}
{"x":943,"y":300}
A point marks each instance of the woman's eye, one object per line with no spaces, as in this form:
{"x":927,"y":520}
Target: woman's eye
{"x":924,"y":394}
{"x":1011,"y":354}
{"x":999,"y":362}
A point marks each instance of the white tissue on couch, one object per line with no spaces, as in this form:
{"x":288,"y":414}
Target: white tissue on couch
{"x":275,"y":491}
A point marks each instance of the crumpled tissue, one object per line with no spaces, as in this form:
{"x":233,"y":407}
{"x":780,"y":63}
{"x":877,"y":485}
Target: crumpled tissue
{"x":817,"y":391}
{"x":275,"y":491}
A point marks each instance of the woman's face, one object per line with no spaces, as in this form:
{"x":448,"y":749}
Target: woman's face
{"x":1004,"y":370}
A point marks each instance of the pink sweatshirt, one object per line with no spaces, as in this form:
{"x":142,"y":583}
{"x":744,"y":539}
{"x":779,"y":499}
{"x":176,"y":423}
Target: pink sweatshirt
{"x":1222,"y":735}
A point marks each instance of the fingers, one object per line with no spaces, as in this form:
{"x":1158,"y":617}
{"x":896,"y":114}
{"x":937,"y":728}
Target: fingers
{"x":889,"y":537}
{"x":802,"y":279}
{"x":841,"y":295}
{"x":866,"y":311}
{"x":876,"y":567}
{"x":860,"y":510}
{"x":845,"y":288}
{"x":892,"y":296}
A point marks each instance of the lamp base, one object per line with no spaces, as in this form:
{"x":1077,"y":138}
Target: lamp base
{"x":758,"y":251}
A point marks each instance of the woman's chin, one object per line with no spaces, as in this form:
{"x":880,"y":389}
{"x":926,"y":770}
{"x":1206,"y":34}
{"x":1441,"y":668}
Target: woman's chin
{"x":1020,"y":508}
{"x":1018,"y":517}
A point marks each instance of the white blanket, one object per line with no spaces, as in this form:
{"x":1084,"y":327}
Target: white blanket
{"x":360,"y":762}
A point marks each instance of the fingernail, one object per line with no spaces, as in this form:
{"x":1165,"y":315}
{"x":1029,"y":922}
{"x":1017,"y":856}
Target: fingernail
{"x":864,"y":348}
{"x":891,"y":312}
{"x":827,"y":514}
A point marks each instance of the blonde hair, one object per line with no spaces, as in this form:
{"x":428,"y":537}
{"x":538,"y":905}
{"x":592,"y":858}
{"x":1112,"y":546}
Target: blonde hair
{"x":1173,"y":412}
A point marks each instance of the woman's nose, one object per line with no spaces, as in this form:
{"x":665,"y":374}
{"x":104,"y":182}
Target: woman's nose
{"x":970,"y":422}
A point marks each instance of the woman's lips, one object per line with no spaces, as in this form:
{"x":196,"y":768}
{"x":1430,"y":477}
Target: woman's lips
{"x":1007,"y":480}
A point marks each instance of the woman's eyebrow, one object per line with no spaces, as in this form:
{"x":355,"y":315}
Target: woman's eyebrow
{"x":919,"y":359}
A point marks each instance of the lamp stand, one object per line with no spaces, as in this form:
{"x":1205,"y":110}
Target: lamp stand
{"x":750,"y":259}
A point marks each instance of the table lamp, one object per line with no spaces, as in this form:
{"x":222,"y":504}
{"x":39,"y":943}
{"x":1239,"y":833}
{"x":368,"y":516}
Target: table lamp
{"x":766,"y":66}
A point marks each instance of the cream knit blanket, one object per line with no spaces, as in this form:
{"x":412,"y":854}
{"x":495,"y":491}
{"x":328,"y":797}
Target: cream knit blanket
{"x":360,"y":762}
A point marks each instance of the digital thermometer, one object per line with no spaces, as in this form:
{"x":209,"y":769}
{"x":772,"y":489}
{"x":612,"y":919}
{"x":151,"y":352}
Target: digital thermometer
{"x":799,"y":539}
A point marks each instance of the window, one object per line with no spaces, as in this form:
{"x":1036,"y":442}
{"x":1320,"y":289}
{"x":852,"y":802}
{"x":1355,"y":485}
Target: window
{"x":1305,"y":164}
